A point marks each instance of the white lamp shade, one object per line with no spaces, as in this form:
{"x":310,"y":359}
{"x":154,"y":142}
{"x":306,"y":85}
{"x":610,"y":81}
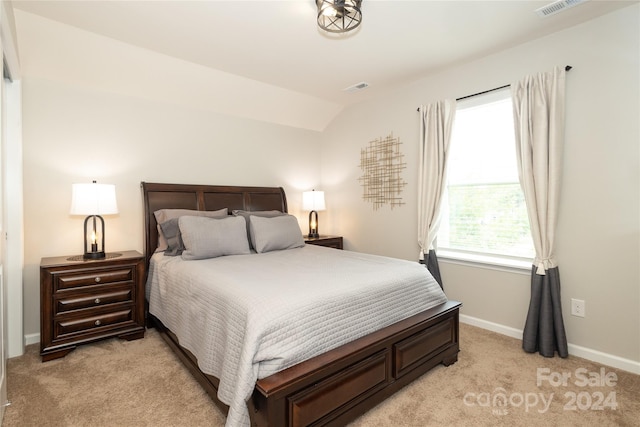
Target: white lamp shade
{"x":93,"y":199}
{"x":313,"y":200}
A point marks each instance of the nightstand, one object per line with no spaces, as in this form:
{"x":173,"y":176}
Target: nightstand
{"x":329,"y":241}
{"x":88,"y":300}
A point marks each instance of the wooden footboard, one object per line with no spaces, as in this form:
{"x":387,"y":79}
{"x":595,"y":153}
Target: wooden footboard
{"x":338,"y":386}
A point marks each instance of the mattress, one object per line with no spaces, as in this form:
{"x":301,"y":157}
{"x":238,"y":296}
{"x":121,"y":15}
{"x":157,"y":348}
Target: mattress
{"x":246,"y":317}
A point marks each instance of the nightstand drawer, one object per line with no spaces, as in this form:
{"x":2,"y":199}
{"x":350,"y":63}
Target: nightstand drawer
{"x":93,"y":300}
{"x":72,"y":325}
{"x":93,"y":277}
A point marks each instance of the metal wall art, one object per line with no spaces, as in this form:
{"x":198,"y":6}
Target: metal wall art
{"x":382,"y":163}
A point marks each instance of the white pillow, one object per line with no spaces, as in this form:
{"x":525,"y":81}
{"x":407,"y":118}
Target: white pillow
{"x":276,"y":233}
{"x":205,"y":237}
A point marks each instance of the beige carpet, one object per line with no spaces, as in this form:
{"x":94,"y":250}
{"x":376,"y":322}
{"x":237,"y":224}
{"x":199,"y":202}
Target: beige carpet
{"x":141,"y":383}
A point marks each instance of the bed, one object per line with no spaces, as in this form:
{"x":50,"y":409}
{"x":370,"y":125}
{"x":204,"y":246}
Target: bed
{"x":332,"y":387}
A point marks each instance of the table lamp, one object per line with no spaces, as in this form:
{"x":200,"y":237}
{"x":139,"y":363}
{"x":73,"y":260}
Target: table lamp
{"x":93,"y":200}
{"x":313,"y":201}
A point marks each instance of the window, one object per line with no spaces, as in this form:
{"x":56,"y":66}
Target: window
{"x":484,"y":216}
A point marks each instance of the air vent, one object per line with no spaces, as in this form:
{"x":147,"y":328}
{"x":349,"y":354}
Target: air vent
{"x":356,"y":87}
{"x":558,"y":6}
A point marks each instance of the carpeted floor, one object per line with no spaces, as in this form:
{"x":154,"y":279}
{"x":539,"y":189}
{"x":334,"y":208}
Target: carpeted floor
{"x":141,"y":383}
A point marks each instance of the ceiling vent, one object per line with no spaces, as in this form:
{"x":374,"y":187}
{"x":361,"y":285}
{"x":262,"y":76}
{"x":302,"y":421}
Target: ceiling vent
{"x":356,"y":87}
{"x":557,"y":7}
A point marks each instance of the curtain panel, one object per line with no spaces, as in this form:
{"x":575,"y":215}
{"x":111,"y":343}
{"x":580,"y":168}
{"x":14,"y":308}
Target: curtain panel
{"x":436,"y":123}
{"x":538,"y":103}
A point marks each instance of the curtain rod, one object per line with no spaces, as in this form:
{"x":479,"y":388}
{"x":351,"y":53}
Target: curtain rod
{"x":567,"y":68}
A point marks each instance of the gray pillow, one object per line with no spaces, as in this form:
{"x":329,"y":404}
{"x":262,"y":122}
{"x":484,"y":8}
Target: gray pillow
{"x":247,"y":214}
{"x":275,"y":233}
{"x":211,"y":237}
{"x":163,"y":215}
{"x":171,"y":232}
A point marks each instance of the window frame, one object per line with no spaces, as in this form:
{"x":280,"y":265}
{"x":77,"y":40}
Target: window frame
{"x":513,"y":264}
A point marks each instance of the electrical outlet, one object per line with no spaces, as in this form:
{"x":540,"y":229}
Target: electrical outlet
{"x":578,"y":307}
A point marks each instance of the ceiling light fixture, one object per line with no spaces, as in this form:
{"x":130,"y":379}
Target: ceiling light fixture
{"x":339,"y":16}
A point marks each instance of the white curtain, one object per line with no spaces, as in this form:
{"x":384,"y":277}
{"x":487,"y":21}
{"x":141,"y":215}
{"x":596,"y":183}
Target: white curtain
{"x":538,"y":102}
{"x":436,"y":122}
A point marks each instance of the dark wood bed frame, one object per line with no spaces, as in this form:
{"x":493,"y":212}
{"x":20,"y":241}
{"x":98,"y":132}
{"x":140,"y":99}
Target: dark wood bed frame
{"x":334,"y":387}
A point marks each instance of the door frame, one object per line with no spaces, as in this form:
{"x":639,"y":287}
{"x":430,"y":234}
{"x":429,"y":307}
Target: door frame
{"x":11,"y":203}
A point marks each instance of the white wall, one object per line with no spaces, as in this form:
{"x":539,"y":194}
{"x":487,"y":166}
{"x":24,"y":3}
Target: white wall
{"x":598,"y":236}
{"x":94,"y":128}
{"x":79,"y":127}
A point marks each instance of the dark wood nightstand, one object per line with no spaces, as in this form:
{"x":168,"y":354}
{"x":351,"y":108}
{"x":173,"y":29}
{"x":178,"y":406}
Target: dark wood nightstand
{"x":329,"y":241}
{"x":88,"y":300}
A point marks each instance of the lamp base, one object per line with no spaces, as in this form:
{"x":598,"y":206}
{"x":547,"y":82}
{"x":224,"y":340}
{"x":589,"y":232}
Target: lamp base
{"x":313,"y":225}
{"x":94,"y":255}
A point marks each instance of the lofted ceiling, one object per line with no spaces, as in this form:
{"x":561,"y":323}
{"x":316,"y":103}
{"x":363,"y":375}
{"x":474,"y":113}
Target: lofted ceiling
{"x":278,"y":42}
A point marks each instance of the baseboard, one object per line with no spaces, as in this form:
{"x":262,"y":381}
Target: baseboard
{"x":605,"y":358}
{"x":31,"y":339}
{"x":574,"y":350}
{"x":494,"y":327}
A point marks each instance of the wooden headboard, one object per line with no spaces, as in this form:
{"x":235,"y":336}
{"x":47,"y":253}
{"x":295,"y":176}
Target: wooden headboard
{"x":204,"y":198}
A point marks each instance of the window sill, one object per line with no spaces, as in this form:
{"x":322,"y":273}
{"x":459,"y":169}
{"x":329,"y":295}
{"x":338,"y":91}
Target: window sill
{"x":491,"y":262}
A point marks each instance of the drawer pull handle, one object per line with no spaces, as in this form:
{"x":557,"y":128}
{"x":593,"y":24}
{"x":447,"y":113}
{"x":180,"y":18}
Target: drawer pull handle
{"x":97,"y":323}
{"x":97,"y":279}
{"x":97,"y":301}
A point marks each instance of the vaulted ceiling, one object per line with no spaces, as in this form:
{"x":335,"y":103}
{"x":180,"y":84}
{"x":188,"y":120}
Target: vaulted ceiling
{"x":278,"y":42}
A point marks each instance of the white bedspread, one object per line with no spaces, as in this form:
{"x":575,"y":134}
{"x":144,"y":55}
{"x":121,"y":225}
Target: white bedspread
{"x":246,"y":317}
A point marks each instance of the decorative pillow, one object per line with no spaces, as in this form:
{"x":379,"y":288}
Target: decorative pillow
{"x":171,"y":232}
{"x":163,"y":215}
{"x":275,"y":233}
{"x":211,"y":237}
{"x":248,"y":214}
